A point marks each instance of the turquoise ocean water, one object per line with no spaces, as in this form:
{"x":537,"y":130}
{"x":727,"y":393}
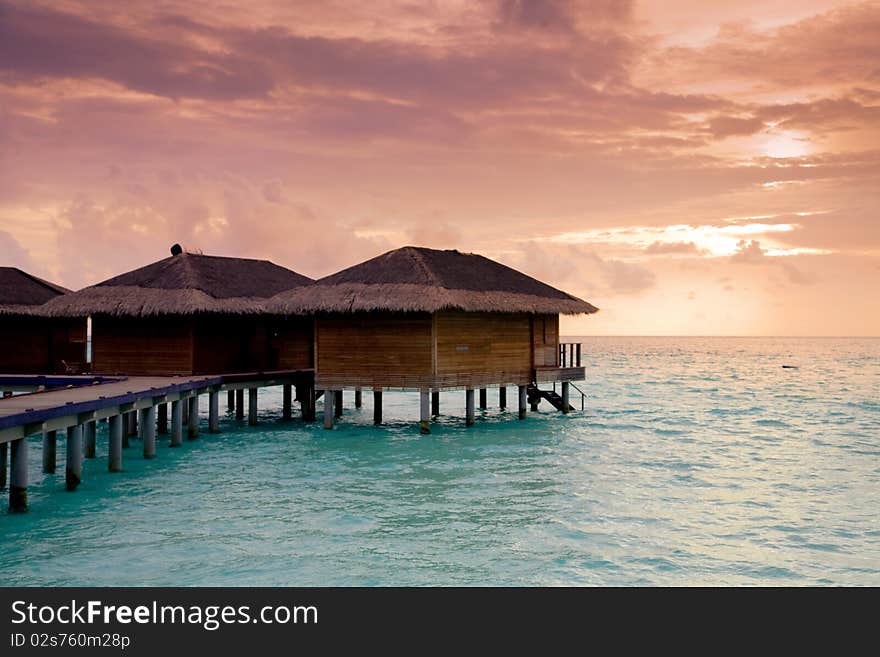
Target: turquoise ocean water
{"x":696,"y":461}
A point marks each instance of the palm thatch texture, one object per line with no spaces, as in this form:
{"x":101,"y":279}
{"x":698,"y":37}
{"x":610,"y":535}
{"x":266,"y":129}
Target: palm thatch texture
{"x":183,"y":284}
{"x":417,"y":279}
{"x":21,"y":293}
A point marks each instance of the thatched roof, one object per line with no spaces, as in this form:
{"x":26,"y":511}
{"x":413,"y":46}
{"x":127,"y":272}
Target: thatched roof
{"x":427,"y":280}
{"x":21,"y":293}
{"x":182,"y":284}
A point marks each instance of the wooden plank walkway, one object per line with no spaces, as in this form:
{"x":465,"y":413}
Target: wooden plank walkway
{"x":140,"y":402}
{"x":59,"y":408}
{"x":28,"y":414}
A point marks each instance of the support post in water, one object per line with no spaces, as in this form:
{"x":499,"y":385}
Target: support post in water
{"x":329,"y":415}
{"x":114,"y":458}
{"x":483,"y":399}
{"x":131,"y":429}
{"x":287,"y":402}
{"x":50,"y":451}
{"x":73,"y":469}
{"x":424,"y":412}
{"x":469,"y":407}
{"x":89,"y":429}
{"x":177,"y":422}
{"x":162,"y":418}
{"x":4,"y":455}
{"x":522,"y":402}
{"x":239,"y":404}
{"x":377,"y":406}
{"x":214,"y":411}
{"x":230,"y":400}
{"x":18,"y":476}
{"x":435,"y":403}
{"x":148,"y":419}
{"x":307,"y":400}
{"x":252,"y":407}
{"x":358,"y":398}
{"x":337,"y":403}
{"x":502,"y":397}
{"x":565,"y":396}
{"x":193,"y":424}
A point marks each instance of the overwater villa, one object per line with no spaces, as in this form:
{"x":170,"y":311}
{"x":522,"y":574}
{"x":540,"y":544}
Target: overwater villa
{"x":431,"y":320}
{"x":32,"y":344}
{"x":412,"y":319}
{"x":190,"y":314}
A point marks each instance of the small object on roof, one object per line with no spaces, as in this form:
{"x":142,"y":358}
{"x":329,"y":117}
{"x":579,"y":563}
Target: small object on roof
{"x":790,"y":367}
{"x":176,"y":249}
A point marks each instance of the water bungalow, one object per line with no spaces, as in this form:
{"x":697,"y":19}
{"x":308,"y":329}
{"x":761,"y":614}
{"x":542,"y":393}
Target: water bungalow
{"x":32,"y":343}
{"x":193,"y":325}
{"x":431,"y":320}
{"x":190,"y":314}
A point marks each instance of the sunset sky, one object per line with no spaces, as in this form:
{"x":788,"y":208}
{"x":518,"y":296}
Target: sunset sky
{"x":691,"y":167}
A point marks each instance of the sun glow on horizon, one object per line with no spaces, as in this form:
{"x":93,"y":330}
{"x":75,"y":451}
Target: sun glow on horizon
{"x":687,"y":240}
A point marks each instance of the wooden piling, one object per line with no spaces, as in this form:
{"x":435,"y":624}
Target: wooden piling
{"x":132,"y":429}
{"x":337,"y":403}
{"x":213,"y":411}
{"x":424,"y":412}
{"x":502,"y":397}
{"x":4,"y":455}
{"x":114,"y":458}
{"x":193,"y":424}
{"x":252,"y":407}
{"x":148,"y":419}
{"x":565,"y":396}
{"x":358,"y":398}
{"x":50,"y":451}
{"x":177,"y":422}
{"x":329,"y":415}
{"x":484,"y":404}
{"x":239,"y":404}
{"x":89,"y":429}
{"x":377,"y":406}
{"x":230,"y":400}
{"x":18,"y":476}
{"x":435,"y":403}
{"x":287,"y":402}
{"x":522,"y":402}
{"x":73,"y":469}
{"x":162,"y":418}
{"x":469,"y":407}
{"x":307,"y":401}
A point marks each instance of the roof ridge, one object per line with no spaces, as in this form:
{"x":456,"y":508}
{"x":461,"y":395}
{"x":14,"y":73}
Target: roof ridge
{"x":420,"y":261}
{"x":191,"y":275}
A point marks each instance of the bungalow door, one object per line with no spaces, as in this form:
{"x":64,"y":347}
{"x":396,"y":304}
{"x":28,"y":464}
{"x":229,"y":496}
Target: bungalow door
{"x":545,"y":340}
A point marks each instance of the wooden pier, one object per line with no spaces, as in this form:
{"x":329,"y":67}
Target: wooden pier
{"x":76,"y":408}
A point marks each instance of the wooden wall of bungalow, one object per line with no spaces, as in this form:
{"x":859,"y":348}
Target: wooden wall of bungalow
{"x":199,"y":344}
{"x":448,"y":349}
{"x":38,"y":345}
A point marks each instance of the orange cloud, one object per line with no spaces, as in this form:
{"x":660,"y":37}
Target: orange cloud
{"x":629,"y":153}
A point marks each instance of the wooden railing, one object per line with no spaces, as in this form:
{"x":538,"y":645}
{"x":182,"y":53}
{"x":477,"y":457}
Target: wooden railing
{"x":569,"y":354}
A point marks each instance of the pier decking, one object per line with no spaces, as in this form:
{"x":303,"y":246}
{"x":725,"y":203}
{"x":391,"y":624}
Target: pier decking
{"x":125,"y":402}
